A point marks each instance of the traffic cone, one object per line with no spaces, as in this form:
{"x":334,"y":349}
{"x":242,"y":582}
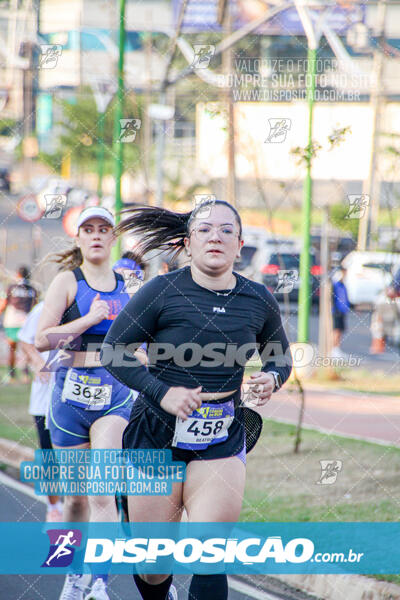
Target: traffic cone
{"x":377,"y":346}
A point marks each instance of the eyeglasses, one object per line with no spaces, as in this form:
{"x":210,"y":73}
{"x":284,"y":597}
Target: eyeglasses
{"x":225,"y":232}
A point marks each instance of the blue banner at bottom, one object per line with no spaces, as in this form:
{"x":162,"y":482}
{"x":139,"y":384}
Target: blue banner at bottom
{"x":245,"y":548}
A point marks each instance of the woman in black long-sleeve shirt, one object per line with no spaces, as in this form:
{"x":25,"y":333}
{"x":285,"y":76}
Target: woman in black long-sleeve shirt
{"x":201,"y":323}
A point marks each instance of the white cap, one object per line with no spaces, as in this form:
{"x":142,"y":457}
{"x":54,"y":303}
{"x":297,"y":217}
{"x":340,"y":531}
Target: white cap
{"x":93,"y":212}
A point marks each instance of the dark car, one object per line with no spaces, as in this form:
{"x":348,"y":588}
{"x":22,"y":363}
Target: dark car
{"x":281,"y":275}
{"x":4,"y":179}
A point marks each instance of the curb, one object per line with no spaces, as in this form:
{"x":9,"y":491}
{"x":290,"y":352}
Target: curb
{"x":323,"y":587}
{"x":346,"y":587}
{"x":12,"y":453}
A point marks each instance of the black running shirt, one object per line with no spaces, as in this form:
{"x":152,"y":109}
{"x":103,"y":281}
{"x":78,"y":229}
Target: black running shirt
{"x":194,"y":336}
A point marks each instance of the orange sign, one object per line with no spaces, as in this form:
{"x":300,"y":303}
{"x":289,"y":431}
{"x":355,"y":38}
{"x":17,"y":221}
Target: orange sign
{"x":70,"y":220}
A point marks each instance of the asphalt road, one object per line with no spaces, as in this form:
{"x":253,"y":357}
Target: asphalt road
{"x":18,"y":506}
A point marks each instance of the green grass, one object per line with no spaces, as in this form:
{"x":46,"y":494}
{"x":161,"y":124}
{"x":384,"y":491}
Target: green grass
{"x":359,"y":380}
{"x":282,"y":486}
{"x":390,"y":578}
{"x":15,"y":422}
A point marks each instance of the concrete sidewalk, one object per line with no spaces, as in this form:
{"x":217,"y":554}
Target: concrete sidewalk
{"x":351,"y":414}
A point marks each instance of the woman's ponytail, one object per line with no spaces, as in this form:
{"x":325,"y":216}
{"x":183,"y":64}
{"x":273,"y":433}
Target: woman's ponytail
{"x":68,"y":259}
{"x":156,"y":228}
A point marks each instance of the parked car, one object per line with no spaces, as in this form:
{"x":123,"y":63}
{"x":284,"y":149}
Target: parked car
{"x":289,"y":261}
{"x":368,"y":273}
{"x":256,"y":253}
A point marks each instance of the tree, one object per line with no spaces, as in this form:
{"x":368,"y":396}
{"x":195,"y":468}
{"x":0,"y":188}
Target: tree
{"x":338,"y":218}
{"x":79,"y":135}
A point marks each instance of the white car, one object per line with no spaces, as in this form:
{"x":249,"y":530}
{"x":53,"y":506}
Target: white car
{"x":368,"y":273}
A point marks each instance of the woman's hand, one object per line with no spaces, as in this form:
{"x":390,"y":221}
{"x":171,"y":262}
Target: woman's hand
{"x":99,"y":310}
{"x":261,"y":385}
{"x":181,"y":402}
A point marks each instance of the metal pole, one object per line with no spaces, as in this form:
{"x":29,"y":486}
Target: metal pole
{"x":304,"y":294}
{"x":118,"y":145}
{"x":368,"y":226}
{"x":323,"y":339}
{"x":228,"y":67}
{"x":160,"y":147}
{"x":146,"y":119}
{"x":100,"y":155}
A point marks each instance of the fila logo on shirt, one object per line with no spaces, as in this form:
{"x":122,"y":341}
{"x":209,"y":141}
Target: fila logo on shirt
{"x":218,"y":309}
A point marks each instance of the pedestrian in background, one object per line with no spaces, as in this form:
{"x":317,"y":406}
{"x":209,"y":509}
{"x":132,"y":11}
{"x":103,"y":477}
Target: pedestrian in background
{"x":340,"y":308}
{"x":41,"y":390}
{"x":21,"y":298}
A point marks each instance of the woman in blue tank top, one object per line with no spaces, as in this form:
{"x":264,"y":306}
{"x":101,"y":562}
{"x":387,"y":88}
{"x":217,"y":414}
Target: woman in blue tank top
{"x":89,"y":407}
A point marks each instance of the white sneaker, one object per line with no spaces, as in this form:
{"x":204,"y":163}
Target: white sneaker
{"x":98,"y":591}
{"x":172,"y":593}
{"x":54,"y":515}
{"x":75,"y":586}
{"x":338,"y":353}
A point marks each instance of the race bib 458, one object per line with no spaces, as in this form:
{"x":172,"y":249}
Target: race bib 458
{"x":207,"y":425}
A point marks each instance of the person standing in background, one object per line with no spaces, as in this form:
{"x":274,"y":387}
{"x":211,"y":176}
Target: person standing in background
{"x":21,"y":298}
{"x":386,"y":314}
{"x":340,"y":307}
{"x":131,"y":270}
{"x":41,"y":390}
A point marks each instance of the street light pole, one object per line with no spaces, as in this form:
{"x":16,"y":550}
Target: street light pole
{"x":313,"y":36}
{"x":305,"y":290}
{"x":118,"y":145}
{"x":368,"y":227}
{"x":100,"y":157}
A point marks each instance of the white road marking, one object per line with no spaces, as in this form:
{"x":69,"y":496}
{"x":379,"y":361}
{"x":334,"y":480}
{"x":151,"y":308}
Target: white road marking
{"x":21,"y":487}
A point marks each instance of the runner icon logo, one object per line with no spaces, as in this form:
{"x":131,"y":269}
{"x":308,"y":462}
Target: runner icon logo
{"x":203,"y":54}
{"x":62,"y":355}
{"x":357,"y":206}
{"x":62,"y":547}
{"x":278,"y":129}
{"x":50,"y":53}
{"x":329,"y":471}
{"x":128,"y":129}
